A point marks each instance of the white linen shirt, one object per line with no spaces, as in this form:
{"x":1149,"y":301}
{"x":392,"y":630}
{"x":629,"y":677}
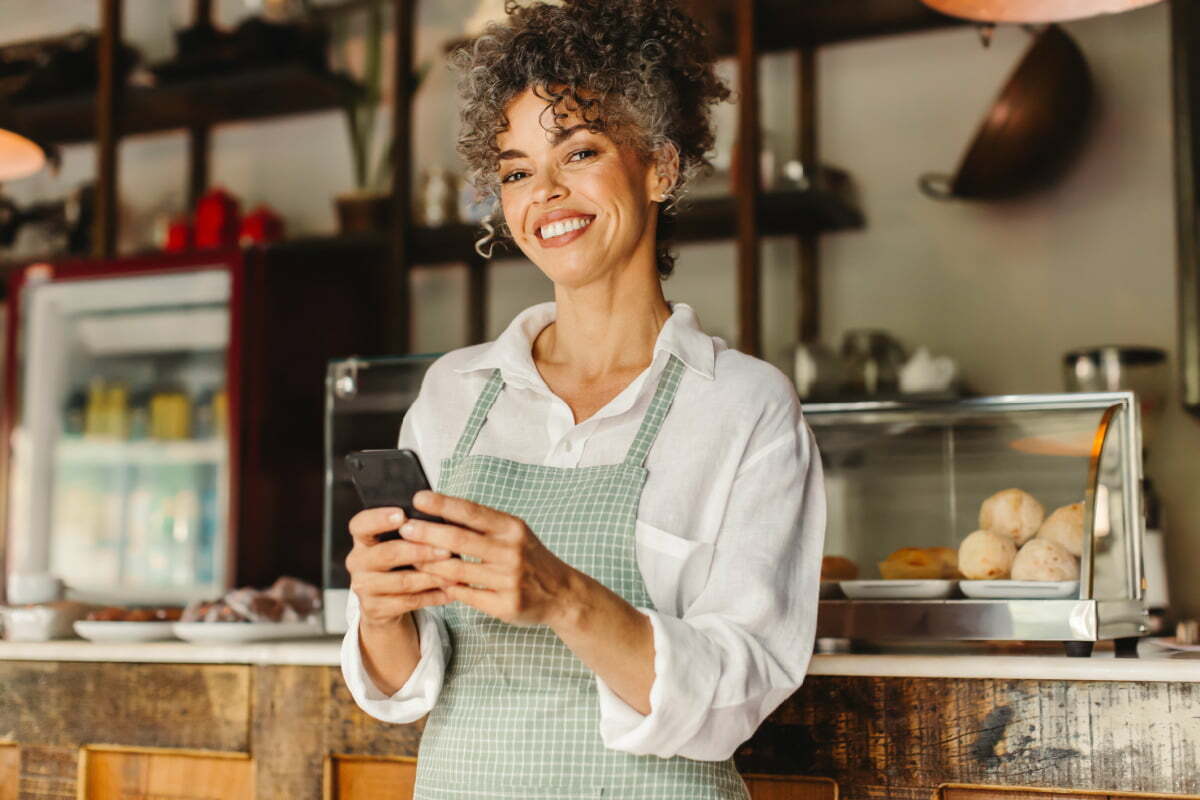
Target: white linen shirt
{"x":729,"y":533}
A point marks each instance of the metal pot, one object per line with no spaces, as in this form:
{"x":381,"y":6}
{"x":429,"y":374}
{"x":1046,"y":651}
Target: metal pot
{"x":1032,"y":129}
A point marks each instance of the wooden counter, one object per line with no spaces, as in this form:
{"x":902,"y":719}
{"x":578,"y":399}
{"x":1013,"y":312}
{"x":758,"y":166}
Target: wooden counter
{"x":262,"y":729}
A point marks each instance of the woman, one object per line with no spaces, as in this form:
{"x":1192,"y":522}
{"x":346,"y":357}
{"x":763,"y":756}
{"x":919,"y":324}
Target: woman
{"x":638,"y":507}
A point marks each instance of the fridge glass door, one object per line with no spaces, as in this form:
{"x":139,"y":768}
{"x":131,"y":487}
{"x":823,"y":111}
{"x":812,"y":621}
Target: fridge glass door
{"x":120,"y":453}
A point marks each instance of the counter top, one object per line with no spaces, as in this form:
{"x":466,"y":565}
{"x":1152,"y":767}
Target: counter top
{"x":300,"y":652}
{"x":1155,"y":663}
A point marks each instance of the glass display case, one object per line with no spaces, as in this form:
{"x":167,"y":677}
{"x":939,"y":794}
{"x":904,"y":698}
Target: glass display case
{"x":120,"y":460}
{"x":365,"y":402}
{"x":907,"y":483}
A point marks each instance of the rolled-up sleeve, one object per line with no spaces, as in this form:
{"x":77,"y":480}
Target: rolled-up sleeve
{"x":418,"y":695}
{"x":420,"y":692}
{"x":743,"y":645}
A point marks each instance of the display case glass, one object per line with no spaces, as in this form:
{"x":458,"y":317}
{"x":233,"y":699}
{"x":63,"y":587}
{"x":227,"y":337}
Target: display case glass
{"x":365,"y":403}
{"x":120,"y":447}
{"x":915,"y":475}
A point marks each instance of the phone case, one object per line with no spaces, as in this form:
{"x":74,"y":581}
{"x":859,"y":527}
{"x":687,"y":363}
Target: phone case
{"x":389,"y":478}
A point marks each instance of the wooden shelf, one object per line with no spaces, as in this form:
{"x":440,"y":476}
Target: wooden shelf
{"x":783,"y":213}
{"x":788,"y":24}
{"x":275,"y":91}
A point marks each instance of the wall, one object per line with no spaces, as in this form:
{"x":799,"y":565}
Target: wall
{"x":1003,"y":288}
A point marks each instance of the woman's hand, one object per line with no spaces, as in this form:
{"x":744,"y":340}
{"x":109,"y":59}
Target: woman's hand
{"x":386,"y":594}
{"x":517,"y":580}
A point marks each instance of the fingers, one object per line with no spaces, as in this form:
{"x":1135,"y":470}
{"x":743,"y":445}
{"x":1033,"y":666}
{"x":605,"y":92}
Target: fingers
{"x":456,"y":540}
{"x":389,"y":608}
{"x":464,"y":513}
{"x":385,"y":556}
{"x":482,"y":576}
{"x":370,"y":522}
{"x":375,"y":585}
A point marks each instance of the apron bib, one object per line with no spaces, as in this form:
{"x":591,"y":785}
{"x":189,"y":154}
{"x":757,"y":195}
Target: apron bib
{"x":519,"y":713}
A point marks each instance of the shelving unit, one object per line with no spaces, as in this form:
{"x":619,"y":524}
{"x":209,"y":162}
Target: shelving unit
{"x":262,"y":93}
{"x":745,"y":28}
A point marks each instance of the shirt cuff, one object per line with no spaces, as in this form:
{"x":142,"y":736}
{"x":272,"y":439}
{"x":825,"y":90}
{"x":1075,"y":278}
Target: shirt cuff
{"x":686,"y":671}
{"x":417,"y":696}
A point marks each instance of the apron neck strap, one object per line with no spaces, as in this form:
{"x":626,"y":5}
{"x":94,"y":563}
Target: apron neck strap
{"x":487,"y":399}
{"x":660,"y":404}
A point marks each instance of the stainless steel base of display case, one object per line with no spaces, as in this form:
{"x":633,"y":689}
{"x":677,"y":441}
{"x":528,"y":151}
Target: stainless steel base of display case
{"x":1015,"y":620}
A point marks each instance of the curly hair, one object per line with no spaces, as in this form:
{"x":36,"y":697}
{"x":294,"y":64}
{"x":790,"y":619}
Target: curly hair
{"x":639,"y":71}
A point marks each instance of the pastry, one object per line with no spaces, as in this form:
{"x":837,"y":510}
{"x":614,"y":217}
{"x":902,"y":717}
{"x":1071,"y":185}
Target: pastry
{"x":911,"y":563}
{"x":1065,"y":527}
{"x":986,"y":555}
{"x":1014,"y":513}
{"x":838,"y":568}
{"x":1044,"y":560}
{"x":948,"y":557}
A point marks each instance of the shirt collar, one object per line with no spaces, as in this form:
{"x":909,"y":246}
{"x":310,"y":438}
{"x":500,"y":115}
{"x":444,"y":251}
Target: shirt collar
{"x":512,"y":351}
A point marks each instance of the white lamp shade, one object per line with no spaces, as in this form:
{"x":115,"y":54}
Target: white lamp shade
{"x":1032,"y":10}
{"x":18,"y":156}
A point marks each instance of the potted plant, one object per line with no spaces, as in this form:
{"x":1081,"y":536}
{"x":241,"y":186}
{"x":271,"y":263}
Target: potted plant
{"x":368,"y":208}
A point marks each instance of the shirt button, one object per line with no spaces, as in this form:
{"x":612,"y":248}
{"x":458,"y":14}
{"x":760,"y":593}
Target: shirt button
{"x":566,"y":445}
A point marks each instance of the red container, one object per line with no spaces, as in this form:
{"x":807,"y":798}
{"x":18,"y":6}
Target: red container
{"x":218,"y":220}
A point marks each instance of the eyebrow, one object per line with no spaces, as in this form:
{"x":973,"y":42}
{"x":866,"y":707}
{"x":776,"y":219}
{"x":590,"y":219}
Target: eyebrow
{"x":559,"y":138}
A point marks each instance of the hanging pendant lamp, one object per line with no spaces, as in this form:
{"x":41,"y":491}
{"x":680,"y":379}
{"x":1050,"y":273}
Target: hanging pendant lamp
{"x":1032,"y":11}
{"x":19,"y":156}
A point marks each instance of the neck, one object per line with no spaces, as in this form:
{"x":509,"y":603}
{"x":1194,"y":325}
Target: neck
{"x":605,"y":328}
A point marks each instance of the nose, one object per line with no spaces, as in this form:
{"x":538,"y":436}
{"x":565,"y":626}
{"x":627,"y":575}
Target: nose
{"x":547,"y":186}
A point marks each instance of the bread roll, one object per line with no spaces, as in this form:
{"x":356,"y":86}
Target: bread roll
{"x":1014,"y":513}
{"x":986,"y":556}
{"x":838,"y":568}
{"x":1065,"y":527}
{"x":911,"y":563}
{"x":948,"y":558}
{"x":1044,"y":560}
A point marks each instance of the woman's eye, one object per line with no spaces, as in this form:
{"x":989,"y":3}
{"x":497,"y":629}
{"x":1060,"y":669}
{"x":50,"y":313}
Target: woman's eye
{"x":583,"y":153}
{"x":512,"y":177}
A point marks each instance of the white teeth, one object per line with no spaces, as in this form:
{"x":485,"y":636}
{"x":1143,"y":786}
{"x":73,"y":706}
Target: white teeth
{"x":564,"y":226}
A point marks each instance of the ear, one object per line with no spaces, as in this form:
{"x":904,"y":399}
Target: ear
{"x":665,"y":173}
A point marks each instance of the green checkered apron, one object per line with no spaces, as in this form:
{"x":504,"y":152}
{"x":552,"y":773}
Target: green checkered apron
{"x":519,"y":714}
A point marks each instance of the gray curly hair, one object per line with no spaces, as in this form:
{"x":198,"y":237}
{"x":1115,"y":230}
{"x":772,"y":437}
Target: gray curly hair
{"x":639,"y":71}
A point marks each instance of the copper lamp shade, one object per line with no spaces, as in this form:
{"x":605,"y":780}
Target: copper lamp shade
{"x":19,"y":156}
{"x":1032,"y":10}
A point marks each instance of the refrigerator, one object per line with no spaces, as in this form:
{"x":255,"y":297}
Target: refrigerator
{"x":164,"y":417}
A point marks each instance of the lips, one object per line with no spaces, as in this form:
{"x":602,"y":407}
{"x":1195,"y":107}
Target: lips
{"x":558,"y":215}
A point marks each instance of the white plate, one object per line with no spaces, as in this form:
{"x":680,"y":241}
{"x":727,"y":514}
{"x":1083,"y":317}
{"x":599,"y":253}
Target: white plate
{"x":121,"y":631}
{"x":234,"y":632}
{"x":1020,"y":590}
{"x":898,"y":590}
{"x":1171,"y":643}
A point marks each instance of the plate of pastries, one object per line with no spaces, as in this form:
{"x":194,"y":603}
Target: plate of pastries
{"x":119,"y":624}
{"x":1018,"y":552}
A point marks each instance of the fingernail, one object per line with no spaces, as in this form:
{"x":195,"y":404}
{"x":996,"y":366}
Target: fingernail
{"x":396,"y":517}
{"x":424,"y":494}
{"x":437,"y":551}
{"x":407,"y":529}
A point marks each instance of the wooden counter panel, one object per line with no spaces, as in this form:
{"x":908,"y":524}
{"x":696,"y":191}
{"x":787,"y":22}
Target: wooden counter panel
{"x":48,"y":773}
{"x":202,"y":707}
{"x":351,"y":730}
{"x":790,"y":787}
{"x":143,"y":774}
{"x":372,"y":778}
{"x":1001,"y":793}
{"x":290,"y":707}
{"x":900,"y":738}
{"x":10,"y":771}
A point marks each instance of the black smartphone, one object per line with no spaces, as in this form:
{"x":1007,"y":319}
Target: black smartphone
{"x":386,"y":478}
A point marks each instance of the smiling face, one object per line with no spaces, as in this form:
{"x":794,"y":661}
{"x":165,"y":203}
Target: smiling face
{"x":579,"y":205}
